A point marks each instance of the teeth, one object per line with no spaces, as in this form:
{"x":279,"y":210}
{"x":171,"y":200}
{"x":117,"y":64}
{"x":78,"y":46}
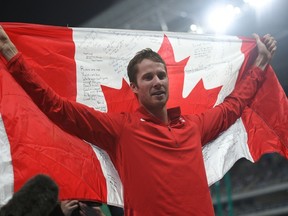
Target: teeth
{"x":158,"y":93}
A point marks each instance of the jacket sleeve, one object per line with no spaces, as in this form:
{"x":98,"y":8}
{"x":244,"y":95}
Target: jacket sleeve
{"x":93,"y":126}
{"x":222,"y":116}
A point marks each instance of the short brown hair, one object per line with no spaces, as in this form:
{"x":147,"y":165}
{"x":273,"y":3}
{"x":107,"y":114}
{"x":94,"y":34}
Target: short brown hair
{"x":147,"y":53}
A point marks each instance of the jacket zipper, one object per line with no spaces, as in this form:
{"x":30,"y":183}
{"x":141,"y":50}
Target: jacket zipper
{"x":170,"y":129}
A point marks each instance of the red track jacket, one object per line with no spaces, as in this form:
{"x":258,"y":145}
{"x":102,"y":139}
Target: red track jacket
{"x":160,"y":165}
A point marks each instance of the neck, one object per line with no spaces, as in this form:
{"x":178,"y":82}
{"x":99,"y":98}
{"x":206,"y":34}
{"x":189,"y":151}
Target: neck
{"x":161,"y":114}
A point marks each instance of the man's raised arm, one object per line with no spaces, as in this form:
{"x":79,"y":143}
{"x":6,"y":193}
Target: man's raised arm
{"x":75,"y":118}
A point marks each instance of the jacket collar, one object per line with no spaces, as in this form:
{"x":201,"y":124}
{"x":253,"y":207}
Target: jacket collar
{"x":173,"y":115}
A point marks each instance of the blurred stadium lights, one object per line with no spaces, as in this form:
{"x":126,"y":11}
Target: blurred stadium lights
{"x":196,"y":29}
{"x":257,"y":4}
{"x":222,"y":16}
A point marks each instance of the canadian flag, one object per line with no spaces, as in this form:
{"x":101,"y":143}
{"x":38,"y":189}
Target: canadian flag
{"x":88,"y":65}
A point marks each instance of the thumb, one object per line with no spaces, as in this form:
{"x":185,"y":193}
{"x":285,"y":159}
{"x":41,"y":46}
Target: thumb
{"x":260,"y":45}
{"x":257,"y":38}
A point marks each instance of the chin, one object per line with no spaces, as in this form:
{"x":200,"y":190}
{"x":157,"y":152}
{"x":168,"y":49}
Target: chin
{"x":160,"y":105}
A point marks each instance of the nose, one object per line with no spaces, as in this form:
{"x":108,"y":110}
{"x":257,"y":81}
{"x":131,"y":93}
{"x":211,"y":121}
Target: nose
{"x":157,"y":82}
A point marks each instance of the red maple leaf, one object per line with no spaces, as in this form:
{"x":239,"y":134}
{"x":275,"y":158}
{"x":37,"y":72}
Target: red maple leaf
{"x":199,"y":99}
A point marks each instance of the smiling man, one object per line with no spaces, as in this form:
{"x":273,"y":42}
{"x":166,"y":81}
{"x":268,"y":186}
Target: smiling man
{"x":157,"y":151}
{"x":149,"y":81}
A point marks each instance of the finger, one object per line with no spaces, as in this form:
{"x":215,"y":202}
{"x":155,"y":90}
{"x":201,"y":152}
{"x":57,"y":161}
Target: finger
{"x":71,"y":208}
{"x":82,"y":213}
{"x":83,"y":205}
{"x":65,"y":201}
{"x":269,"y":41}
{"x":266,"y":36}
{"x":271,"y":45}
{"x":73,"y":203}
{"x":273,"y":51}
{"x":84,"y":208}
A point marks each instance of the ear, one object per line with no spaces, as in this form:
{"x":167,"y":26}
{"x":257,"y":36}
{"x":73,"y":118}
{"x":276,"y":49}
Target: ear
{"x":134,"y":87}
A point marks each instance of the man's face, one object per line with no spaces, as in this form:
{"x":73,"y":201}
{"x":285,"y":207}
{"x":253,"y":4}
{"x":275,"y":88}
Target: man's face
{"x":152,"y":87}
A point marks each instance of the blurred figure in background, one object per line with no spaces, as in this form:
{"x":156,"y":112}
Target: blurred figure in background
{"x":38,"y":196}
{"x":77,"y":208}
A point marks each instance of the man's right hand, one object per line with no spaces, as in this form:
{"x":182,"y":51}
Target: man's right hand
{"x":7,"y":48}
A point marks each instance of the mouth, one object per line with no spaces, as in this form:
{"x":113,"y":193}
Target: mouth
{"x":158,"y":93}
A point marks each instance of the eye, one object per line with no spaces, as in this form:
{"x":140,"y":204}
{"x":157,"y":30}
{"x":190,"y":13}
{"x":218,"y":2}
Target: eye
{"x":162,"y":75}
{"x":148,"y":76}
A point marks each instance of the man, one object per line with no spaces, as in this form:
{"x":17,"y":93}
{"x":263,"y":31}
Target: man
{"x":156,"y":151}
